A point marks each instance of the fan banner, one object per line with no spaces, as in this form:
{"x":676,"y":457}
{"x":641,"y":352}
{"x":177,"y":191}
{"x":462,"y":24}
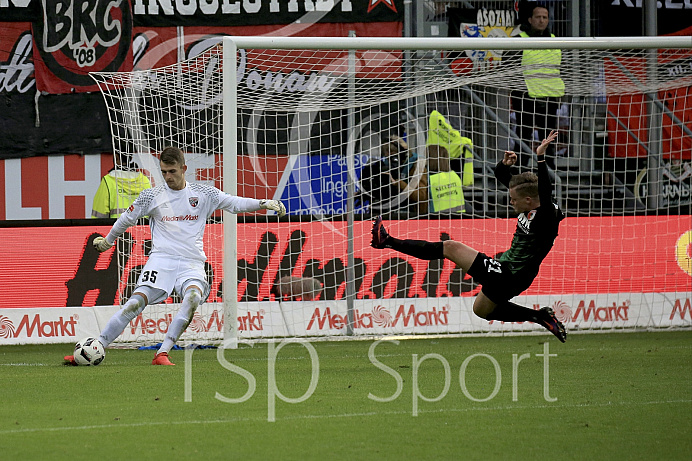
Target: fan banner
{"x":216,"y":13}
{"x":607,"y":260}
{"x":17,"y":69}
{"x":478,"y":23}
{"x":85,"y":37}
{"x":624,"y":18}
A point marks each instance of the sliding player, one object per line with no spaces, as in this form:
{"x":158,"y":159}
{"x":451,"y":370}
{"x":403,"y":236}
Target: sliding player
{"x":514,"y":271}
{"x":177,"y":212}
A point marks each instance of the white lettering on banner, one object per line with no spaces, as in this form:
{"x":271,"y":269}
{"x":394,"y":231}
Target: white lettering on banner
{"x":495,"y":18}
{"x":278,"y":82}
{"x":81,"y":26}
{"x":17,"y":73}
{"x":668,"y":4}
{"x":59,"y":187}
{"x":16,"y":3}
{"x":680,"y":69}
{"x":210,"y":7}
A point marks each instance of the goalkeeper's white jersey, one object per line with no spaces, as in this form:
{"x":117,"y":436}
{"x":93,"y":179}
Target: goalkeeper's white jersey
{"x":178,"y":217}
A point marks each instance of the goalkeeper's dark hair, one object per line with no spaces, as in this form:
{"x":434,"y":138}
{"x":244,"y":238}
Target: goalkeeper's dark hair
{"x":526,"y":184}
{"x":172,"y":155}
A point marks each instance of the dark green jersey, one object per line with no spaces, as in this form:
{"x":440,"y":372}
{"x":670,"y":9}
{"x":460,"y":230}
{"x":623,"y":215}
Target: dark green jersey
{"x":536,"y":230}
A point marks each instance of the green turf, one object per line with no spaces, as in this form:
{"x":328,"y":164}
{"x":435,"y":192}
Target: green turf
{"x":618,"y":396}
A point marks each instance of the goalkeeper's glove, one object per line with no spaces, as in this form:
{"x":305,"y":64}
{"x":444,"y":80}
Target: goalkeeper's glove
{"x":101,"y":244}
{"x":274,"y":205}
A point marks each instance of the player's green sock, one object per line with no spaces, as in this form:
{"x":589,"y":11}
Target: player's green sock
{"x":420,"y":249}
{"x":510,"y":312}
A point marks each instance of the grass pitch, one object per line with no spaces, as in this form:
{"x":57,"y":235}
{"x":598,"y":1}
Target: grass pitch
{"x":600,"y":396}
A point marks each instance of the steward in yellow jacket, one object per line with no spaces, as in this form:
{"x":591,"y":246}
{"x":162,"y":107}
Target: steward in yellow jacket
{"x":445,"y":145}
{"x":117,"y":191}
{"x":536,"y":109}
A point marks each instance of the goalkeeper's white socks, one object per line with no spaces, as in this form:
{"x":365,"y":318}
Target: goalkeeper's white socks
{"x":191,"y":301}
{"x":116,"y":325}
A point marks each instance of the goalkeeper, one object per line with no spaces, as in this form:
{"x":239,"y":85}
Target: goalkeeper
{"x":177,"y":212}
{"x":514,"y":271}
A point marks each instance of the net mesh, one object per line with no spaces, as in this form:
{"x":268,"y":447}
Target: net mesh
{"x":369,"y":131}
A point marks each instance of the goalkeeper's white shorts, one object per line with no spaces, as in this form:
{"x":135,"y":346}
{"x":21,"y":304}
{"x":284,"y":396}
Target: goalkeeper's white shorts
{"x":165,"y":274}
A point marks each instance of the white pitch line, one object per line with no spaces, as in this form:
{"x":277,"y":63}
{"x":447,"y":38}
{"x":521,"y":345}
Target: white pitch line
{"x":342,"y":415}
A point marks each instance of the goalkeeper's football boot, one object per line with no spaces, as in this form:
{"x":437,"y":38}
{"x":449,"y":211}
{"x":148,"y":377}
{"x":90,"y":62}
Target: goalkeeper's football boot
{"x":379,"y":234}
{"x":69,"y":360}
{"x":161,"y":359}
{"x":552,"y":324}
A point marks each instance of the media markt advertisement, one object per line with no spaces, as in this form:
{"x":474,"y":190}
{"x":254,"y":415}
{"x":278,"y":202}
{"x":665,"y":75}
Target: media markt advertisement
{"x":602,"y":285}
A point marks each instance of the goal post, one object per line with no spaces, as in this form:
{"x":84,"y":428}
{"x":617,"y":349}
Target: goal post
{"x":312,"y":121}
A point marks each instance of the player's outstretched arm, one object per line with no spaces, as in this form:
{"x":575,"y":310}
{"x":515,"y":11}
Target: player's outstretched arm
{"x":139,"y":208}
{"x":502,"y":169}
{"x":274,"y":205}
{"x":510,"y":158}
{"x":540,"y":152}
{"x":545,"y":188}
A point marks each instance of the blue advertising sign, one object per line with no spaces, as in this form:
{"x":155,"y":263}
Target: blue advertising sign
{"x":317,"y":184}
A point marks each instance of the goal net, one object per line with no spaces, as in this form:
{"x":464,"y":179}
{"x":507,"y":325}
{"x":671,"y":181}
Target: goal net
{"x":342,"y":130}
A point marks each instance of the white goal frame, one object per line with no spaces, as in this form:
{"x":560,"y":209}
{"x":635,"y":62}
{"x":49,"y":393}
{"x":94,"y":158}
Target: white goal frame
{"x":231,"y":46}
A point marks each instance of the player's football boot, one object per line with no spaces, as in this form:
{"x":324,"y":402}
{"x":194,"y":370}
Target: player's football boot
{"x":161,"y":359}
{"x":379,"y":234}
{"x":552,"y":324}
{"x":69,"y":360}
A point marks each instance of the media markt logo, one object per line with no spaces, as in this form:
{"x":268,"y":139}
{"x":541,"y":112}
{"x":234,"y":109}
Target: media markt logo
{"x":562,"y":311}
{"x":6,"y":327}
{"x":75,"y":37}
{"x":36,"y":326}
{"x":380,"y":317}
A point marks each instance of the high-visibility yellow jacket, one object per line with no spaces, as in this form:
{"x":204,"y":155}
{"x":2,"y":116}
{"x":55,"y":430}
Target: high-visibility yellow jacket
{"x":117,"y":191}
{"x":441,"y":133}
{"x":541,"y":69}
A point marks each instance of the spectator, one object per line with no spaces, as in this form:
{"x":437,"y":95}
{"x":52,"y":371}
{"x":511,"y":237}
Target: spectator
{"x":450,"y":162}
{"x":536,"y":109}
{"x":385,"y":181}
{"x":119,"y":188}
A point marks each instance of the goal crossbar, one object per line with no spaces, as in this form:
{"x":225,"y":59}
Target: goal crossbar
{"x":457,"y":44}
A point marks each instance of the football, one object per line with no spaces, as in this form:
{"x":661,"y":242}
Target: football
{"x":89,"y":351}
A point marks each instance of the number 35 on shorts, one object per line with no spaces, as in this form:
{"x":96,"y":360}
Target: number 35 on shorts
{"x":149,"y":276}
{"x":492,"y":265}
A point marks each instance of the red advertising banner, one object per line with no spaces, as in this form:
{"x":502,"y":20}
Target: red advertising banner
{"x":57,"y":267}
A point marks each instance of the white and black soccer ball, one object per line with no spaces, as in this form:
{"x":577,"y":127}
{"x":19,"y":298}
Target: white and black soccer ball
{"x":89,"y":351}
